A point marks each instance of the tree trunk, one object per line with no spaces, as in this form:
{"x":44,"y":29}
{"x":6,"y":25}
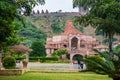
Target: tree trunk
{"x":110,"y":46}
{"x":0,"y":61}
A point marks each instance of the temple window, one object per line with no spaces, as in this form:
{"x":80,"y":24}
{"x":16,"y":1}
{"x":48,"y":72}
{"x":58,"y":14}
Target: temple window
{"x":82,"y":46}
{"x":65,"y":45}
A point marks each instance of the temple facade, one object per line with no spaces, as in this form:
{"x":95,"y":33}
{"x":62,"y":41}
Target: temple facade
{"x":73,"y":40}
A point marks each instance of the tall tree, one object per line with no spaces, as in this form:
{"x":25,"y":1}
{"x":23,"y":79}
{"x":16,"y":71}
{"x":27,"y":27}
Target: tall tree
{"x":9,"y":11}
{"x":105,"y":16}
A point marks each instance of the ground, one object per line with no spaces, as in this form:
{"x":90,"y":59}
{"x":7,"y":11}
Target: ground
{"x":57,"y":76}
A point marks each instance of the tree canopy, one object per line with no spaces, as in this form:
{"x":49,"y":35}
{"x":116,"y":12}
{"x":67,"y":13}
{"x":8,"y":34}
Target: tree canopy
{"x":10,"y":10}
{"x":104,"y":15}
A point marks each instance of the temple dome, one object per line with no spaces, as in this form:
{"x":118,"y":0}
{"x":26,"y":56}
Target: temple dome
{"x":70,"y":29}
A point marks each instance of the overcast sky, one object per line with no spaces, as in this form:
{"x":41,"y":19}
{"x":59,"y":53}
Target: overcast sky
{"x":55,"y":5}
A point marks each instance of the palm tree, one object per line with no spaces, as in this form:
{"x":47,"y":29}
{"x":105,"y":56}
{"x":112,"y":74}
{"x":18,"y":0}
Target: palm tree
{"x":105,"y":64}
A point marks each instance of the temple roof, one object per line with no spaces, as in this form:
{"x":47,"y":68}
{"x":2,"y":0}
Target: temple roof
{"x":70,"y":29}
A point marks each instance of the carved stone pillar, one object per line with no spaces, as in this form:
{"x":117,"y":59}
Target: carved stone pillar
{"x":70,"y":44}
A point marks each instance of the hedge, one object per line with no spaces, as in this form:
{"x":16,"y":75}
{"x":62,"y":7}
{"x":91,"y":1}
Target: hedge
{"x":41,"y":59}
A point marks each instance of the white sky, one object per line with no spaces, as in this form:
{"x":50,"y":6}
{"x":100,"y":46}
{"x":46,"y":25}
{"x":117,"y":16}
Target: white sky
{"x":55,"y":5}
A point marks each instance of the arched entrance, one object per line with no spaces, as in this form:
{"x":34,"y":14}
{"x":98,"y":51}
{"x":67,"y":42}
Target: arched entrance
{"x":77,"y":57}
{"x":77,"y":60}
{"x":74,"y":43}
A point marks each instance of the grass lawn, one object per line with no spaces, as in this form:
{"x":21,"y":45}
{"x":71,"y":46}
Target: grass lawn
{"x":57,"y":76}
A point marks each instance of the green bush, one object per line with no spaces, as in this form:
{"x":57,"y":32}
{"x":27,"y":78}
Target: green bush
{"x":19,"y":58}
{"x":51,"y":58}
{"x":9,"y":62}
{"x":43,"y":59}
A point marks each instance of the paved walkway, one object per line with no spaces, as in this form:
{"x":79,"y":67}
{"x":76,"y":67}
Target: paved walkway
{"x":38,"y":65}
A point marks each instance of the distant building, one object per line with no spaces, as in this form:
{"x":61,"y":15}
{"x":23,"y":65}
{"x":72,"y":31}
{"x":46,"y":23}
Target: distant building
{"x":72,"y":39}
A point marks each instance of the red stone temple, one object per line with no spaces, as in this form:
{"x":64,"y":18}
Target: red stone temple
{"x":72,"y":39}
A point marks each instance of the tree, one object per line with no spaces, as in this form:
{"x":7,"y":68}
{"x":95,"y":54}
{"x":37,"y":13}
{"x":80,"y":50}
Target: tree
{"x":10,"y":10}
{"x":83,"y":5}
{"x":38,"y":49}
{"x":9,"y":13}
{"x":105,"y":64}
{"x":104,"y":15}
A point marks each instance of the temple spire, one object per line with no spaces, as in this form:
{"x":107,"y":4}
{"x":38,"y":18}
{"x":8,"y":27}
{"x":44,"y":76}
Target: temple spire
{"x":70,"y":29}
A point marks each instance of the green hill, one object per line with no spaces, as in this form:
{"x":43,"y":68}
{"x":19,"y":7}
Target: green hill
{"x":40,"y":26}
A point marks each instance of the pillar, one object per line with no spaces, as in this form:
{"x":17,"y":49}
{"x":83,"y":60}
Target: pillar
{"x":70,"y":44}
{"x":48,"y":52}
{"x":71,"y":56}
{"x":27,"y":56}
{"x":78,"y":47}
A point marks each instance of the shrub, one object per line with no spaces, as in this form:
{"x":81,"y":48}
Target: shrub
{"x":43,"y":59}
{"x":9,"y":62}
{"x":19,"y":58}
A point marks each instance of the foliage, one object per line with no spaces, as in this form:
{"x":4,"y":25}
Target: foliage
{"x":52,"y":23}
{"x":117,"y":49}
{"x":60,"y":52}
{"x":9,"y":13}
{"x":20,"y":58}
{"x":57,"y":27}
{"x":82,"y":4}
{"x":105,"y":16}
{"x":19,"y":55}
{"x":58,"y":61}
{"x":30,"y":31}
{"x":97,"y":59}
{"x":38,"y":49}
{"x":43,"y":59}
{"x":105,"y":64}
{"x":9,"y":62}
{"x":106,"y":41}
